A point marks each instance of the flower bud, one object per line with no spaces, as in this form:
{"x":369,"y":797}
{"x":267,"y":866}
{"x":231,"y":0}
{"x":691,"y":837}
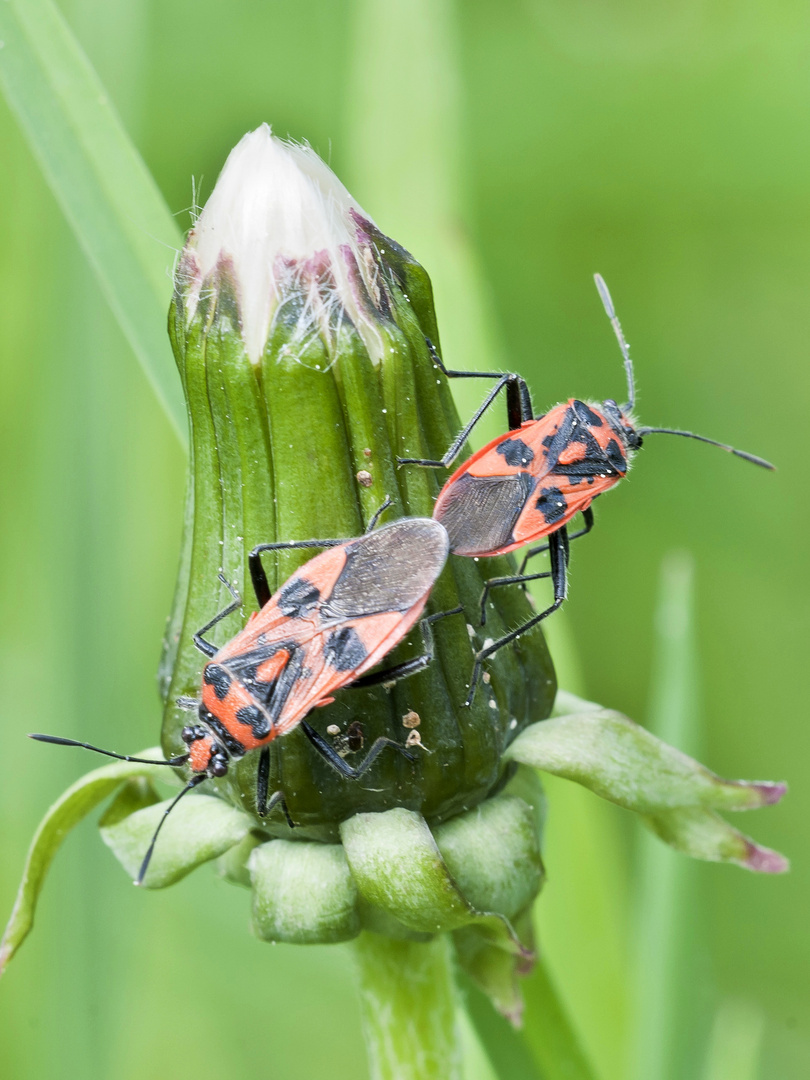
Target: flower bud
{"x":299,"y":330}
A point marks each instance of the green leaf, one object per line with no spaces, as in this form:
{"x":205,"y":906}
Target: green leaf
{"x":199,"y":828}
{"x":98,"y":178}
{"x":76,"y":803}
{"x":303,"y":892}
{"x":623,"y":762}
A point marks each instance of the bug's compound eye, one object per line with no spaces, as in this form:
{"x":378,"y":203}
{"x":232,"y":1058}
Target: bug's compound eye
{"x":218,"y":765}
{"x":192,"y":732}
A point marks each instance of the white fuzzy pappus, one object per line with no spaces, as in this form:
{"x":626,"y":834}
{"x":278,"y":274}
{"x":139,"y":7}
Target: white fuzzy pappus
{"x":275,"y":205}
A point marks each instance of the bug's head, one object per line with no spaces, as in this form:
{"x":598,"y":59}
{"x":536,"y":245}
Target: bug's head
{"x":622,"y":423}
{"x":205,"y":753}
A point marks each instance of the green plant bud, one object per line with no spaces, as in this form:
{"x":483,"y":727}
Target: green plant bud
{"x":299,"y":331}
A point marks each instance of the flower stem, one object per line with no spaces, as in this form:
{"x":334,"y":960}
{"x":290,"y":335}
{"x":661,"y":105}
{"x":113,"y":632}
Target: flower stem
{"x":408,"y":1000}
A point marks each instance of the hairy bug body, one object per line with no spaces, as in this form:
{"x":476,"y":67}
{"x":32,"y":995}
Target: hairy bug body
{"x":529,"y":483}
{"x":331,"y":622}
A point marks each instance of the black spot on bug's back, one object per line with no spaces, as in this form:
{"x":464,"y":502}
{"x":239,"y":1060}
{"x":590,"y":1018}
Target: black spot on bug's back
{"x":253,"y":717}
{"x":218,"y":677}
{"x":515,"y":452}
{"x":298,"y":598}
{"x":479,"y":512}
{"x":343,"y":649}
{"x":551,"y":504}
{"x":586,"y":415}
{"x":595,"y":462}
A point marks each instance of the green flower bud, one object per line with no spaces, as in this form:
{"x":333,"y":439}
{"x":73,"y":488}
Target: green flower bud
{"x":299,"y":331}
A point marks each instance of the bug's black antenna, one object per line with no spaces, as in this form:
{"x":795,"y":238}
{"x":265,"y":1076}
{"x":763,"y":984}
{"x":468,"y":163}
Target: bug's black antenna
{"x":617,"y":329}
{"x":712,"y":442}
{"x":181,"y":760}
{"x":193,"y":782}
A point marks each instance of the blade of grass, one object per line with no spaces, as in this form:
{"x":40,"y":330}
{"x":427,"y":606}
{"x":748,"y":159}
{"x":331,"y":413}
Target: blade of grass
{"x":406,"y":168}
{"x":736,"y":1042}
{"x":665,"y":898}
{"x":99,"y":180}
{"x":583,"y":930}
{"x":505,"y":1048}
{"x":548,"y":1031}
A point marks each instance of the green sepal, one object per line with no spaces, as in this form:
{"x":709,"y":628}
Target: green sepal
{"x":136,"y":794}
{"x":493,"y":970}
{"x":677,"y":796}
{"x":199,"y":828}
{"x":398,"y":867}
{"x":303,"y":893}
{"x":384,"y":923}
{"x":621,"y":761}
{"x":703,"y":834}
{"x":233,"y":865}
{"x":492,"y":853}
{"x":71,"y":808}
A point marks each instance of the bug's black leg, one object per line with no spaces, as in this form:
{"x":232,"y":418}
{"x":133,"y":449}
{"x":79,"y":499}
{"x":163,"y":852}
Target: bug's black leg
{"x":263,"y":804}
{"x":257,"y":575}
{"x":518,"y":405}
{"x":516,"y":579}
{"x":378,"y":514}
{"x":408,"y":667}
{"x":587,"y":517}
{"x":463,"y":435}
{"x":274,"y":800}
{"x":262,"y":777}
{"x":518,"y":398}
{"x":559,"y":575}
{"x":336,"y":761}
{"x":205,"y":646}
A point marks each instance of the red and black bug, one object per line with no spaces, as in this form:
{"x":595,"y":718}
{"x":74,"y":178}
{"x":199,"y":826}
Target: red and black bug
{"x":530,"y":482}
{"x":328,"y":624}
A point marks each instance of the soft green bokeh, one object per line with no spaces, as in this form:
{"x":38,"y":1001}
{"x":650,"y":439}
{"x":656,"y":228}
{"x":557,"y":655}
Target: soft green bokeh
{"x":662,"y":145}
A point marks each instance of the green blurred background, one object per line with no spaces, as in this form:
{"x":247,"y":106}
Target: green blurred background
{"x":515,"y":147}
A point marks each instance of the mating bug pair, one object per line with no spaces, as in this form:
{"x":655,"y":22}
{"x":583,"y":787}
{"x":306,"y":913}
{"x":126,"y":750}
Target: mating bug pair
{"x":344,"y":610}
